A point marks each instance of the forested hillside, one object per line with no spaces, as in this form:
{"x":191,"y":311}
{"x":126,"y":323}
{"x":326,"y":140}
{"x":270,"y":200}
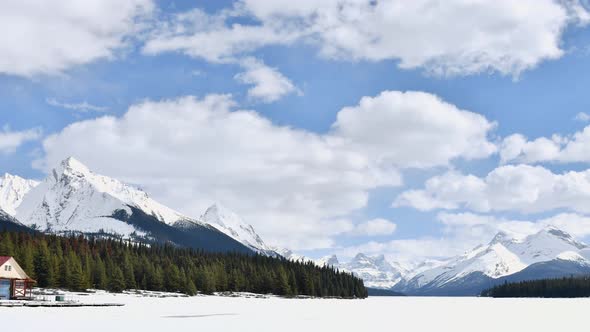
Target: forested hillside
{"x":564,"y":287}
{"x":77,"y":263}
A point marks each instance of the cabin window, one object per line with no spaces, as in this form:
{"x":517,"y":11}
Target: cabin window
{"x":9,"y":268}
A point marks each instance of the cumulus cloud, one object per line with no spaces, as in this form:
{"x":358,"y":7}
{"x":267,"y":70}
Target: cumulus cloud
{"x":522,"y":188}
{"x":292,"y":184}
{"x":398,"y":127}
{"x":49,"y":37}
{"x":374,"y":227}
{"x":410,"y":251}
{"x":269,"y":84}
{"x":458,"y":38}
{"x":10,"y":141}
{"x":298,"y":188}
{"x":483,"y":227}
{"x":557,"y":148}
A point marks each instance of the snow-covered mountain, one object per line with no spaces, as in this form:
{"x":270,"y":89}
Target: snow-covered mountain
{"x":290,"y":255}
{"x":375,"y":271}
{"x":502,"y":257}
{"x":12,"y":191}
{"x":74,"y":199}
{"x":234,"y":226}
{"x":328,"y":261}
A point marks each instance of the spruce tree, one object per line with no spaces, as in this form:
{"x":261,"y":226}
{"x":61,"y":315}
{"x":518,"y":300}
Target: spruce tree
{"x":117,"y":280}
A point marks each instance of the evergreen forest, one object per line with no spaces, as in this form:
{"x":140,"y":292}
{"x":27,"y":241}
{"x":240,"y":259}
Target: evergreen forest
{"x":550,"y":288}
{"x":78,"y":263}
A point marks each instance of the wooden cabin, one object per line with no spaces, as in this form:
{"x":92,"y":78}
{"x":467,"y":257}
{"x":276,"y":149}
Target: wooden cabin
{"x":14,"y":282}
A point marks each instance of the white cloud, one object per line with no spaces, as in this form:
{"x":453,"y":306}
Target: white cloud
{"x":455,"y":39}
{"x":583,"y":117}
{"x":398,"y":127}
{"x":374,"y":227}
{"x":83,"y":107}
{"x":485,"y":226}
{"x":293,"y":185}
{"x":12,"y":140}
{"x":410,"y":250}
{"x":188,"y":32}
{"x":298,"y":188}
{"x":560,"y":149}
{"x":269,"y":84}
{"x":517,"y":148}
{"x":48,"y":37}
{"x":522,"y":188}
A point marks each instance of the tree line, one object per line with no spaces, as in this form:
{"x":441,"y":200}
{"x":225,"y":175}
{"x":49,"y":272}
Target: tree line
{"x":566,"y":287}
{"x":78,"y":263}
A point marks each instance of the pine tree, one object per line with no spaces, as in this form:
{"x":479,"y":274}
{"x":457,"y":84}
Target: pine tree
{"x":7,"y":245}
{"x":117,"y":280}
{"x":99,"y":274}
{"x":42,"y":268}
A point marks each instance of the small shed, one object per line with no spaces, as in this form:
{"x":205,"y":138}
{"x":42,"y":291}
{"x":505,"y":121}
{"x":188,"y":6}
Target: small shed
{"x":14,"y":282}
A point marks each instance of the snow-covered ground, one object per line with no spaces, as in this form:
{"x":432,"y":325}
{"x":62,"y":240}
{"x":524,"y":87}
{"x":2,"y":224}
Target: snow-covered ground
{"x":215,"y":313}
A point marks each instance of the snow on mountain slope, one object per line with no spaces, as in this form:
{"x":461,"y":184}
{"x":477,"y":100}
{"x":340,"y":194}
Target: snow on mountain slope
{"x":12,"y":191}
{"x":504,"y":256}
{"x":234,"y":226}
{"x":72,"y":198}
{"x":375,"y":271}
{"x":328,"y":261}
{"x":290,"y":255}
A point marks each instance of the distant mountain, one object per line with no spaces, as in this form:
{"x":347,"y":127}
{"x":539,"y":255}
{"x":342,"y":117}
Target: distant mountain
{"x":375,"y":271}
{"x":12,"y":191}
{"x":290,"y":255}
{"x":550,"y":252}
{"x":382,"y":292}
{"x":328,"y":261}
{"x":9,"y":223}
{"x":234,"y":226}
{"x":73,"y":199}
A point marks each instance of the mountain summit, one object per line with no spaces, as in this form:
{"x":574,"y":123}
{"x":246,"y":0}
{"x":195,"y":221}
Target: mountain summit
{"x":234,"y":226}
{"x":73,"y":199}
{"x":12,"y":191}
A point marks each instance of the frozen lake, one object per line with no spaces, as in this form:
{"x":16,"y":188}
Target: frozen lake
{"x":212,"y":313}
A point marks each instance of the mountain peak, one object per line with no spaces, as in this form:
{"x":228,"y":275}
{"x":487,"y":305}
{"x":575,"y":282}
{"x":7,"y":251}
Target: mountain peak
{"x":230,"y":223}
{"x":331,"y":261}
{"x":556,"y":233}
{"x":501,"y":237}
{"x":73,"y":164}
{"x":70,"y":167}
{"x":13,"y":188}
{"x":220,"y":215}
{"x":360,"y":256}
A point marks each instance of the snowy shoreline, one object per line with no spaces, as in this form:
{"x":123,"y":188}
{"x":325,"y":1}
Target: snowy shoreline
{"x":260,"y":314}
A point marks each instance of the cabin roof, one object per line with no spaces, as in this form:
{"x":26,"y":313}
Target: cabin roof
{"x":4,"y":259}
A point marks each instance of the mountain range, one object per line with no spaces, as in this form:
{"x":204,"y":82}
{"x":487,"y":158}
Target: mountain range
{"x":549,"y":253}
{"x":72,"y":199}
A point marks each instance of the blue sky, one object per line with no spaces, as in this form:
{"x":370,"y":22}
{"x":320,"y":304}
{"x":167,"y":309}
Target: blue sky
{"x":534,"y":84}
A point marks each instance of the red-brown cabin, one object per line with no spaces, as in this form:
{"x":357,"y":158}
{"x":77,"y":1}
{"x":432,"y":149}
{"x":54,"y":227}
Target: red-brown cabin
{"x":14,"y":282}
